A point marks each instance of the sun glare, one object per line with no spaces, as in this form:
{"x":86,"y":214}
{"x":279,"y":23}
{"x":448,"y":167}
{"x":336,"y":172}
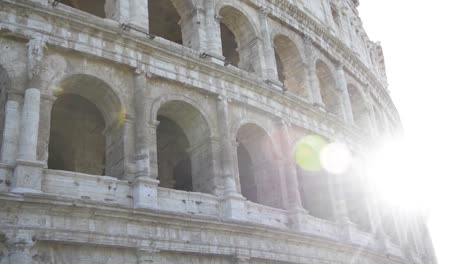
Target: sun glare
{"x":393,"y":171}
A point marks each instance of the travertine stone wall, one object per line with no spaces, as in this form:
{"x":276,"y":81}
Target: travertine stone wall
{"x":173,"y":125}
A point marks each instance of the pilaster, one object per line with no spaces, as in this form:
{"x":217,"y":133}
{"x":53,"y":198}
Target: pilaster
{"x":20,"y":248}
{"x":313,"y":82}
{"x":214,"y":49}
{"x":343,"y":89}
{"x":271,"y":72}
{"x":28,"y":172}
{"x":131,"y":12}
{"x":234,"y":203}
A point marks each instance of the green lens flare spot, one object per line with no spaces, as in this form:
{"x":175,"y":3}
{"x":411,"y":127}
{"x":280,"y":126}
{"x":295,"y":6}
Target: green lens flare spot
{"x":307,"y":152}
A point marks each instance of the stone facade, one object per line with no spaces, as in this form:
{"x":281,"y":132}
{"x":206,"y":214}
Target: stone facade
{"x":164,"y":131}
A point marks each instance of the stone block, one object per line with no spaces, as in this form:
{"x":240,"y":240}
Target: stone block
{"x":145,"y":193}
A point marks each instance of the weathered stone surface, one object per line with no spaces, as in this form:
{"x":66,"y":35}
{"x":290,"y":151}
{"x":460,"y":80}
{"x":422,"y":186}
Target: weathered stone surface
{"x":165,"y":132}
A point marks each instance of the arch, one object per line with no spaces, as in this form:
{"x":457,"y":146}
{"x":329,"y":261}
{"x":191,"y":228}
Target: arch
{"x":168,"y":19}
{"x":76,"y":139}
{"x":239,"y":39}
{"x":259,"y":179}
{"x":86,"y":127}
{"x":356,"y":201}
{"x":290,"y":66}
{"x":185,"y":156}
{"x":97,"y":91}
{"x":315,"y":183}
{"x":358,"y":106}
{"x":95,"y":7}
{"x":328,"y":90}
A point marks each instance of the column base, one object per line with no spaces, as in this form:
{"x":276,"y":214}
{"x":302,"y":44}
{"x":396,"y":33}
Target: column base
{"x":6,"y":173}
{"x":319,"y":106}
{"x":234,"y":207}
{"x":383,"y":242}
{"x":277,"y":85}
{"x":145,"y":193}
{"x":27,"y":177}
{"x":346,"y":225}
{"x":211,"y":57}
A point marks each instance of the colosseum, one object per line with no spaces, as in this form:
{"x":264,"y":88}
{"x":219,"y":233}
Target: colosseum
{"x":191,"y":131}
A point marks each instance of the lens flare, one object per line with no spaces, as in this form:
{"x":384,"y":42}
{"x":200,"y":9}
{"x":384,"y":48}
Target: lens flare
{"x":122,"y":114}
{"x":57,"y":90}
{"x":307,"y":152}
{"x":335,"y":158}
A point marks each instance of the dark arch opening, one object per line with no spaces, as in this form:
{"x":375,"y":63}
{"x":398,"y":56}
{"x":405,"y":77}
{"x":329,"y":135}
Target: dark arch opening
{"x":246,"y":174}
{"x":289,"y":64}
{"x":164,"y":20}
{"x":328,"y":91}
{"x":358,"y":106}
{"x":174,"y":167}
{"x":230,"y":52}
{"x":258,"y":174}
{"x":95,"y":7}
{"x":356,"y":203}
{"x":76,"y":139}
{"x":316,"y":194}
{"x":184,"y":148}
{"x":241,"y":40}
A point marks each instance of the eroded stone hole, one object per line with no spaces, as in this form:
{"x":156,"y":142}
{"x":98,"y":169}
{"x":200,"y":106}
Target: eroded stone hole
{"x":76,"y":139}
{"x":95,"y":7}
{"x":164,"y":20}
{"x":174,"y":164}
{"x":230,"y":52}
{"x":315,"y":193}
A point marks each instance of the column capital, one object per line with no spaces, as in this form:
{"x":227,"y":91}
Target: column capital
{"x":218,"y":18}
{"x":308,"y":40}
{"x":36,"y":47}
{"x":263,"y":12}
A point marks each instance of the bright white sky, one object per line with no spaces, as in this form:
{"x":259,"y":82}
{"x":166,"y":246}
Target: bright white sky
{"x":425,"y":45}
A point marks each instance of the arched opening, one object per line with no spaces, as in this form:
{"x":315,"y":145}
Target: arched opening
{"x":86,"y":107}
{"x":328,"y":90}
{"x":95,"y":7}
{"x":389,"y":224}
{"x":246,"y":174}
{"x":291,"y":70}
{"x":164,"y":20}
{"x":185,"y":160}
{"x":4,"y":87}
{"x":239,"y":44}
{"x":314,"y":187}
{"x":258,"y":175}
{"x":229,"y":44}
{"x":358,"y":106}
{"x":174,"y":166}
{"x":356,"y":203}
{"x":76,"y":139}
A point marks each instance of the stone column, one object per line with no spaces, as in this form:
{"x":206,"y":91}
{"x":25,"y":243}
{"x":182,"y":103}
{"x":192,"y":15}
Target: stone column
{"x":20,"y":247}
{"x":214,"y":48}
{"x":343,"y":88}
{"x":268,"y":50}
{"x":297,"y":213}
{"x":313,"y":82}
{"x":193,"y":29}
{"x":132,"y":12}
{"x":234,"y":203}
{"x":9,"y":149}
{"x":28,"y":172}
{"x":44,"y":128}
{"x":145,"y":188}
